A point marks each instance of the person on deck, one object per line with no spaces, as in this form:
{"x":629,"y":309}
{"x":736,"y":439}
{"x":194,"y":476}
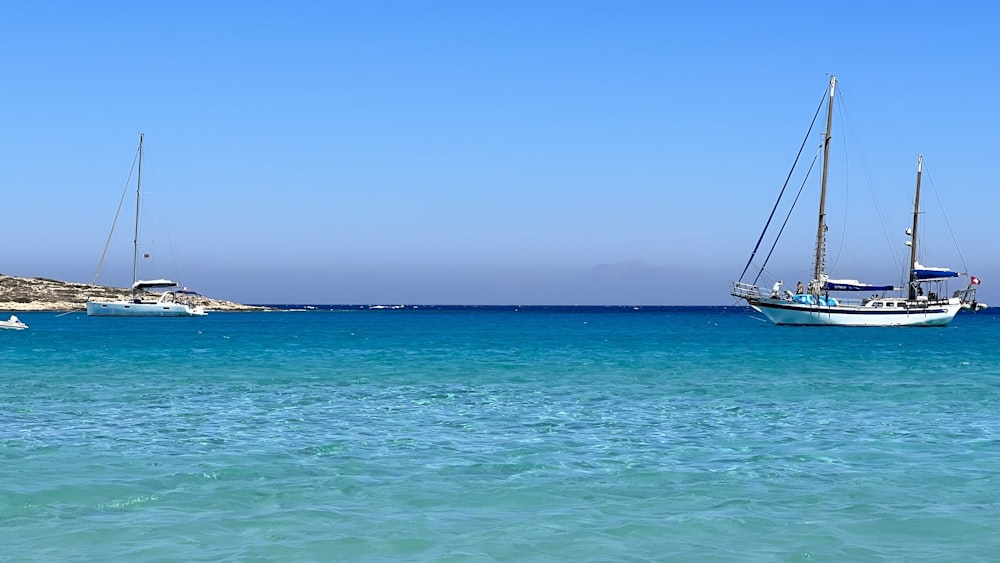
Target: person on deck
{"x":799,"y":289}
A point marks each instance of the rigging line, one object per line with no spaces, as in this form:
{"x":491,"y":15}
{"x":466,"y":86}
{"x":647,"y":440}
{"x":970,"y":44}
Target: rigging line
{"x":159,"y":229}
{"x":784,"y":186}
{"x":164,"y":225}
{"x":947,"y":223}
{"x":768,"y":276}
{"x":121,"y":202}
{"x":870,"y":183}
{"x":889,"y":239}
{"x":788,"y":215}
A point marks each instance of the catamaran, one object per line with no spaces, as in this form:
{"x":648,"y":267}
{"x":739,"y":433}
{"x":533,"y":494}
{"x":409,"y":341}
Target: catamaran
{"x":171,"y":302}
{"x":922,"y":301}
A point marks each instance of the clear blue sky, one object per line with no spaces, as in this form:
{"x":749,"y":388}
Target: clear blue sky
{"x":563,"y":152}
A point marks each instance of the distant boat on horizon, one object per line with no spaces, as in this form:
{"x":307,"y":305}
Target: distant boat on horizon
{"x":813,"y":304}
{"x":170,"y":303}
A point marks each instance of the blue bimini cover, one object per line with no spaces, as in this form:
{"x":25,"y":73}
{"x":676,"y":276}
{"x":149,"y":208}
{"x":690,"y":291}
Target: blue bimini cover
{"x":933,"y":273}
{"x":854,"y":285}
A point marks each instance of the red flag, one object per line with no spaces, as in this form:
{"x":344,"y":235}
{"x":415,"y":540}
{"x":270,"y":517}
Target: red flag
{"x":974,"y":280}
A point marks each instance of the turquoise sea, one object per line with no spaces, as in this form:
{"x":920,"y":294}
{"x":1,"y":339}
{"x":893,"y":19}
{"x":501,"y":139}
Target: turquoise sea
{"x":498,"y":434}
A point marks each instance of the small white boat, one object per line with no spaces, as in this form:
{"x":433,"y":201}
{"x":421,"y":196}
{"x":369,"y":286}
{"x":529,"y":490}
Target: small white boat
{"x":13,"y":323}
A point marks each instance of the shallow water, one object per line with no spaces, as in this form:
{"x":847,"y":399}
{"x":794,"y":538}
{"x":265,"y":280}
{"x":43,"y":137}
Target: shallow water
{"x":492,"y":434}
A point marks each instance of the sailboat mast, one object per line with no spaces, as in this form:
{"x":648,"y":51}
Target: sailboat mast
{"x":913,"y":232}
{"x":821,"y":228}
{"x":135,"y":240}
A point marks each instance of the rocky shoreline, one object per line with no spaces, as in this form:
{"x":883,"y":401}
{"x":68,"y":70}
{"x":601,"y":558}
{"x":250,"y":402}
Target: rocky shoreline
{"x":42,"y":294}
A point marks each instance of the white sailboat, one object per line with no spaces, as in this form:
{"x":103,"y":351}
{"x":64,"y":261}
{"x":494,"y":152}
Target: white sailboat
{"x":170,"y":302}
{"x":814,"y":304}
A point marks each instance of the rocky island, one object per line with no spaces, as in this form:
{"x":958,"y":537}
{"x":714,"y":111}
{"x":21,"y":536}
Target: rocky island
{"x":41,"y":294}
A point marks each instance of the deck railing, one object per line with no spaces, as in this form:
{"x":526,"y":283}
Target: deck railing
{"x":744,"y":290}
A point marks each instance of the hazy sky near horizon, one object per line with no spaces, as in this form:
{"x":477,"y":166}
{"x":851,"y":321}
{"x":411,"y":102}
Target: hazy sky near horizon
{"x":446,"y":152}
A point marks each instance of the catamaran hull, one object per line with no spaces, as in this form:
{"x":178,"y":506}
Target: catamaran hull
{"x":130,"y":309}
{"x":784,"y":313}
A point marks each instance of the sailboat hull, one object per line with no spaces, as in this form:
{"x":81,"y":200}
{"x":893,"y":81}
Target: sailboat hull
{"x":132,"y":309}
{"x":782,"y":312}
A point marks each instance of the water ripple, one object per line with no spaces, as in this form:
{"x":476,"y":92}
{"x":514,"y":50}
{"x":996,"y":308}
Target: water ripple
{"x":604,"y":441}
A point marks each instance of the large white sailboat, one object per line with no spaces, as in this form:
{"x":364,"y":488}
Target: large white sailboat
{"x":170,"y":302}
{"x":922,"y":301}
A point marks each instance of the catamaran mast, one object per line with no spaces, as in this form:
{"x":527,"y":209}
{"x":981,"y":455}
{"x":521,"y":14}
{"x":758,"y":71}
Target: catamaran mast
{"x":913,"y":232}
{"x":821,"y":228}
{"x":135,"y":240}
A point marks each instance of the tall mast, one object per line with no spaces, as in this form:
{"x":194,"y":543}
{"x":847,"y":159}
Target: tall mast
{"x":821,"y":228}
{"x":135,"y":240}
{"x":913,"y":232}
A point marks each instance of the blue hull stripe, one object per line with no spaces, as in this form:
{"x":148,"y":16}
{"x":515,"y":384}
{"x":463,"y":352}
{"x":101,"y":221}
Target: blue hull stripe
{"x":851,"y":310}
